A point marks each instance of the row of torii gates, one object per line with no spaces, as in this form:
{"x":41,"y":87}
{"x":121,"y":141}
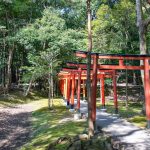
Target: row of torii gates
{"x":78,"y":72}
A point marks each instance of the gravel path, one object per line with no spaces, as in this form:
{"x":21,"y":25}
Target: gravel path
{"x":15,"y":126}
{"x":131,"y":137}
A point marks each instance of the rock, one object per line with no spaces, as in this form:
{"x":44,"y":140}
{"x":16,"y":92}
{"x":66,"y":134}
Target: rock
{"x":71,"y":110}
{"x":116,"y":145}
{"x":103,"y":110}
{"x":83,"y":116}
{"x":83,"y":136}
{"x":77,"y":116}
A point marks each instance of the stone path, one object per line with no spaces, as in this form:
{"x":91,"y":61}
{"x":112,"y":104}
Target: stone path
{"x":133,"y":137}
{"x":15,"y":125}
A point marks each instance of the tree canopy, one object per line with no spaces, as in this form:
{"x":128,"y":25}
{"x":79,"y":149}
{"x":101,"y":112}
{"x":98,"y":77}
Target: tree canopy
{"x":35,"y":33}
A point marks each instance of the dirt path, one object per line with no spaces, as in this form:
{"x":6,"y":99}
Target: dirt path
{"x":15,"y":126}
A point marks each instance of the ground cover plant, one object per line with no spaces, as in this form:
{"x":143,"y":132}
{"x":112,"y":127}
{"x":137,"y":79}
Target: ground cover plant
{"x":132,"y":113}
{"x":49,"y":125}
{"x":16,"y":97}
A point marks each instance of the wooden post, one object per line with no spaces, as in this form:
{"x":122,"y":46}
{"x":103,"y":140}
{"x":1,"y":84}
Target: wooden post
{"x":103,"y":91}
{"x":66,"y":85}
{"x":64,"y":89}
{"x":72,"y":91}
{"x":94,"y":88}
{"x":147,"y":90}
{"x":83,"y":89}
{"x":79,"y":89}
{"x":68,"y":90}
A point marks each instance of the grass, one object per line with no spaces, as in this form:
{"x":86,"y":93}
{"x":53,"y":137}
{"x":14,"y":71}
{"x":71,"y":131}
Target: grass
{"x":47,"y":127}
{"x":16,"y":97}
{"x":132,"y":113}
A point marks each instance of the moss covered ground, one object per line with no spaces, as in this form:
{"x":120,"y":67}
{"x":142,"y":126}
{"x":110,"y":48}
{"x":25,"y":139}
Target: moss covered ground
{"x":47,"y":126}
{"x":132,"y":113}
{"x":16,"y":97}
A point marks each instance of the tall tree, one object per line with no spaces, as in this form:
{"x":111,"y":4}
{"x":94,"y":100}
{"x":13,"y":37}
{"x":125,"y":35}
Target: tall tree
{"x":90,"y":121}
{"x":142,"y":24}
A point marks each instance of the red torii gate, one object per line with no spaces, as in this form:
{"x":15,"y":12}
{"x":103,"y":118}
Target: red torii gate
{"x":104,"y":71}
{"x":120,"y":65}
{"x":78,"y":74}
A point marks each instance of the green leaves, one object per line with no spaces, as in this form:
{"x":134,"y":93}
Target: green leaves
{"x":115,"y":28}
{"x":48,"y":43}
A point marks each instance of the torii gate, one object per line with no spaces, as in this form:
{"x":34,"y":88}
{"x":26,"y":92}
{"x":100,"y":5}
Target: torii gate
{"x":80,"y":74}
{"x":120,"y":65}
{"x":104,"y":72}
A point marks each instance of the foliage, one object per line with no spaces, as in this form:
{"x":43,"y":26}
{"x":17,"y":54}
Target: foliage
{"x":115,"y":28}
{"x":46,"y":41}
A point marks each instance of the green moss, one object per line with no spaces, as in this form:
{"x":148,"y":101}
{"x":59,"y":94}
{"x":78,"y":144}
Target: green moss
{"x":16,"y":97}
{"x":47,"y":127}
{"x":138,"y":120}
{"x":132,"y":113}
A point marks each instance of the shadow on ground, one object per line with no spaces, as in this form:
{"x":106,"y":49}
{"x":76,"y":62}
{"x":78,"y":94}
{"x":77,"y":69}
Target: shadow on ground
{"x":14,"y":130}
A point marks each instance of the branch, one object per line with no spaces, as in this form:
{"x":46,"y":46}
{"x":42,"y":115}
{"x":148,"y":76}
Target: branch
{"x":139,"y":12}
{"x":146,"y":22}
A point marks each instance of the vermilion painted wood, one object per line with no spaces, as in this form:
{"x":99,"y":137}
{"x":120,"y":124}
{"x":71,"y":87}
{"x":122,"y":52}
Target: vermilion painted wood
{"x":147,"y":88}
{"x":121,"y":62}
{"x":94,"y":87}
{"x":103,"y":91}
{"x":79,"y":89}
{"x":61,"y":86}
{"x":116,"y":67}
{"x":83,"y":66}
{"x":83,"y":54}
{"x":115,"y":92}
{"x":69,"y":89}
{"x":72,"y":91}
{"x":120,"y":67}
{"x":84,"y":76}
{"x":84,"y":88}
{"x":122,"y":57}
{"x":66,"y":86}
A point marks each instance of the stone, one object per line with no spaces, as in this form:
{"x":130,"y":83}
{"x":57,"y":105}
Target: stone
{"x":77,"y":116}
{"x":83,"y":136}
{"x":103,"y":110}
{"x":72,"y":110}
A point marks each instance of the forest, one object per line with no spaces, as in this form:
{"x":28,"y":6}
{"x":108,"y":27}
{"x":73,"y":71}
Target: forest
{"x":37,"y":40}
{"x":37,"y":36}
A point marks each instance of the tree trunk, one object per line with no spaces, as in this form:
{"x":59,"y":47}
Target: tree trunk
{"x":90,"y":121}
{"x":3,"y":62}
{"x":9,"y":63}
{"x":126,"y":88}
{"x":29,"y":87}
{"x":52,"y":87}
{"x":142,"y":25}
{"x":50,"y":92}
